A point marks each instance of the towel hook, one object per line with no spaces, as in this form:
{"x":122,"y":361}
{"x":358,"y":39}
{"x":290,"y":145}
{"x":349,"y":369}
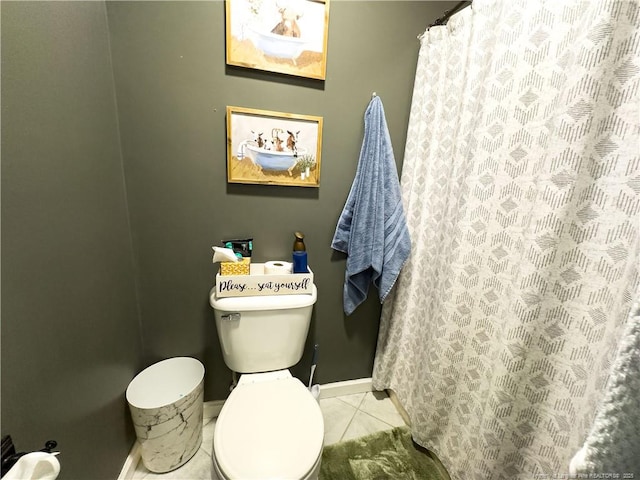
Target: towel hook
{"x":374,"y":94}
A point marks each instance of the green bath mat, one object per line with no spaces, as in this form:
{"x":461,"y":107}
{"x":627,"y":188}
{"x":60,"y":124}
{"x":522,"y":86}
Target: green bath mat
{"x":386,"y":455}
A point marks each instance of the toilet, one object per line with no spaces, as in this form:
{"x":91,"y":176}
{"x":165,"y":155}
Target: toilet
{"x":270,"y":426}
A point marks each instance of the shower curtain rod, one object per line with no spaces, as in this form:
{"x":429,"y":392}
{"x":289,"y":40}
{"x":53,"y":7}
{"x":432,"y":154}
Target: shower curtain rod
{"x":443,"y":19}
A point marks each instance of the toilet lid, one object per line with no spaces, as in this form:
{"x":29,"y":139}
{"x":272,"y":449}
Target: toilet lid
{"x":271,"y":429}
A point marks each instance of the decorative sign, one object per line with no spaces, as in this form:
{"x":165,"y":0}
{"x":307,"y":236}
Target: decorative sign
{"x":269,"y":287}
{"x":257,"y":283}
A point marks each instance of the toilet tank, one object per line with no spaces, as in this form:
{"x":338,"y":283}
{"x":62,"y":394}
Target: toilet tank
{"x":262,"y":334}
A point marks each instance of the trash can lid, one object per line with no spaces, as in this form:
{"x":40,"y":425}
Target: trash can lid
{"x":165,"y":382}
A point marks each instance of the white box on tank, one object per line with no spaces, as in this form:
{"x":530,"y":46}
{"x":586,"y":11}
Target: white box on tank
{"x":259,"y":284}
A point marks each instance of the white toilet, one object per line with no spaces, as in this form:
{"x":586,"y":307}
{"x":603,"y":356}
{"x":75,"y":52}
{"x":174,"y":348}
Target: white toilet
{"x":270,"y":427}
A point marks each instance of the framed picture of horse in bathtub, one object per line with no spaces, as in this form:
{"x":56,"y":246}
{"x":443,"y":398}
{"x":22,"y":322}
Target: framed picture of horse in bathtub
{"x":283,"y":36}
{"x":273,"y":148}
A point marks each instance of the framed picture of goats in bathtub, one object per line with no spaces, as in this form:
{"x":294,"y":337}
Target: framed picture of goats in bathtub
{"x":273,"y":148}
{"x":283,"y":36}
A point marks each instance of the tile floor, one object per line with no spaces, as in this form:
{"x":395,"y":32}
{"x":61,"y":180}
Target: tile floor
{"x":345,"y":417}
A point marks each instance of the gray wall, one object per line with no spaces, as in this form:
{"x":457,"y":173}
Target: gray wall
{"x":114,"y":189}
{"x":173,"y":87}
{"x":70,"y":334}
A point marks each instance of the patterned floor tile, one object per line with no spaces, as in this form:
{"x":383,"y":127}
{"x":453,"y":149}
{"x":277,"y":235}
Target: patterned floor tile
{"x":379,"y":405}
{"x":364,"y":424}
{"x":337,"y":416}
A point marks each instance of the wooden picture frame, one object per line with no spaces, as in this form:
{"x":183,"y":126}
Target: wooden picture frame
{"x":282,"y":36}
{"x":273,"y":148}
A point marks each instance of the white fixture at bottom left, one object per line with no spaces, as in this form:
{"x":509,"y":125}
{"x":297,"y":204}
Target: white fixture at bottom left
{"x":35,"y":466}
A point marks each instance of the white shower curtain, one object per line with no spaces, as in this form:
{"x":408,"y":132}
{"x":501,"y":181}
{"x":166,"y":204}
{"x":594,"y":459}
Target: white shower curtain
{"x":521,"y":186}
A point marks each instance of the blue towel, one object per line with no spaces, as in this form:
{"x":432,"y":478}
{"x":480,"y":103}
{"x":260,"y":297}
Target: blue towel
{"x":372,"y":229}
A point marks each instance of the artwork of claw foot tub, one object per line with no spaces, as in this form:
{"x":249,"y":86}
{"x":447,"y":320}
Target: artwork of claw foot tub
{"x":279,"y":46}
{"x":270,"y":159}
{"x":166,"y":404}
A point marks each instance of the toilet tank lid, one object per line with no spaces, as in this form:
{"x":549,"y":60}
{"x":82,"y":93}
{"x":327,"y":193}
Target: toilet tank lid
{"x":266,"y":302}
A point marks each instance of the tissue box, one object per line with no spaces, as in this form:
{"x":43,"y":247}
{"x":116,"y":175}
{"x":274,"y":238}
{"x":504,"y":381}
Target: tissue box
{"x":259,"y":284}
{"x":241,"y":267}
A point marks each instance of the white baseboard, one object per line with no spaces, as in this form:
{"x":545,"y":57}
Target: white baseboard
{"x":130,"y":464}
{"x":212,"y":409}
{"x":349,"y":387}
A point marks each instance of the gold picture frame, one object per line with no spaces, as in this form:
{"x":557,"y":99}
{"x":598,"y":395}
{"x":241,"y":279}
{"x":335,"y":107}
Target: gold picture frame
{"x":273,"y":148}
{"x":282,"y":36}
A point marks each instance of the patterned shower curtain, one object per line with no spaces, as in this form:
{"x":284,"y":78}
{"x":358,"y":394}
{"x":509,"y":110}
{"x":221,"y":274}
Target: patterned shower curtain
{"x":521,"y":186}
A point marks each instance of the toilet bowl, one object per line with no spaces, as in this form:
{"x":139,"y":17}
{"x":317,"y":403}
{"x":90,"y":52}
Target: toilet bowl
{"x":270,"y":427}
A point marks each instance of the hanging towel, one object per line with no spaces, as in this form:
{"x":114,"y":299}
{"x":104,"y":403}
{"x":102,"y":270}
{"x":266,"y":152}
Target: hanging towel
{"x":613,"y":444}
{"x":372,"y":229}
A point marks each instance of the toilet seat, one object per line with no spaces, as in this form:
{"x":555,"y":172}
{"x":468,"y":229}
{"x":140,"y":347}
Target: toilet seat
{"x":269,"y":429}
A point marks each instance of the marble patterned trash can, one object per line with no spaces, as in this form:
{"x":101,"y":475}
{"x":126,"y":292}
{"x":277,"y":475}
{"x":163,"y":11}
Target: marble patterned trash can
{"x":166,"y":402}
